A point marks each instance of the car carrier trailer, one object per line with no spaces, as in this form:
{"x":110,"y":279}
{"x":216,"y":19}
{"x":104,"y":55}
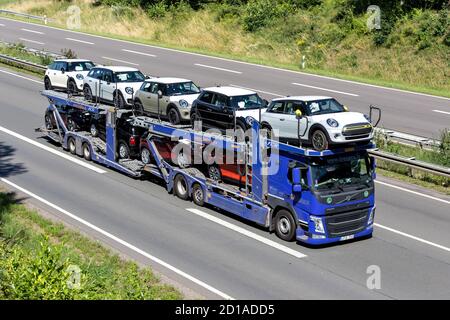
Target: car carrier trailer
{"x":310,"y":196}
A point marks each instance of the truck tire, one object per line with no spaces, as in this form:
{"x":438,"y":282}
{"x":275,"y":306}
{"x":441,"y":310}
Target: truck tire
{"x":198,"y":195}
{"x":180,"y":187}
{"x":319,"y":140}
{"x":71,"y":145}
{"x":285,"y":226}
{"x":87,"y":152}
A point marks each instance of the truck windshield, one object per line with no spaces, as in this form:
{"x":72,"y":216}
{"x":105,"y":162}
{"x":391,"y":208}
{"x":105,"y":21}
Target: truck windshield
{"x":341,"y":171}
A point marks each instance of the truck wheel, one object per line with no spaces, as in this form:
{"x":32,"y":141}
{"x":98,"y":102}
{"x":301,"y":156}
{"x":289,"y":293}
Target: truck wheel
{"x":319,"y":140}
{"x":86,"y":152}
{"x":285,"y":226}
{"x":174,"y":116}
{"x":124,"y":151}
{"x":180,"y":187}
{"x":71,"y":145}
{"x":145,"y":156}
{"x":198,"y":196}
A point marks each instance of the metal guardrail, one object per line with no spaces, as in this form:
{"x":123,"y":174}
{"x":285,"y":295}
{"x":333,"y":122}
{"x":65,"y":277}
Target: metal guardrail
{"x":408,"y":138}
{"x":14,"y":61}
{"x":26,"y":15}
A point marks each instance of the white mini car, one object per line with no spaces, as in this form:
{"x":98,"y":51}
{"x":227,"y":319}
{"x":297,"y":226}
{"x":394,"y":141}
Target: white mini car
{"x":321,"y":122}
{"x":115,"y":85}
{"x":67,"y":74}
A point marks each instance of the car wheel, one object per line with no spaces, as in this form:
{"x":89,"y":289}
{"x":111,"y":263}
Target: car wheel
{"x":285,"y":227}
{"x":94,"y":131}
{"x":47,"y":84}
{"x":198,"y":195}
{"x":214,"y":172}
{"x":174,"y":116}
{"x":119,"y":101}
{"x":87,"y":92}
{"x":71,"y":145}
{"x":180,"y":187}
{"x":48,"y":122}
{"x":146,"y":156}
{"x":72,"y":87}
{"x":194,"y":118}
{"x":269,"y":131}
{"x":138,"y":108}
{"x":124,"y":150}
{"x":319,"y":140}
{"x":71,"y":125}
{"x":86,"y":152}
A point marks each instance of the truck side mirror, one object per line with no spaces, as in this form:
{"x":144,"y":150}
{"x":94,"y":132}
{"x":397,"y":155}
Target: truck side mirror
{"x":373,"y":166}
{"x":296,"y":180}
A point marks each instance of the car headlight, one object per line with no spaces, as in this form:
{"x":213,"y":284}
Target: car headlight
{"x":318,"y":224}
{"x":129,"y":90}
{"x":79,"y":76}
{"x":249,"y":120}
{"x":183,"y":103}
{"x":332,"y":123}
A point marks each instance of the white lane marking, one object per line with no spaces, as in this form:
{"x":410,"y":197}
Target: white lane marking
{"x":257,"y":90}
{"x":141,"y":53}
{"x":247,"y":233}
{"x":413,"y":192}
{"x":122,"y":242}
{"x":51,"y":150}
{"x":324,"y":89}
{"x":32,"y":41}
{"x":216,"y":68}
{"x":19,"y":76}
{"x":440,"y":111}
{"x":2,"y":25}
{"x":230,"y":60}
{"x":413,"y":237}
{"x":122,"y":61}
{"x":80,"y":41}
{"x":32,"y":31}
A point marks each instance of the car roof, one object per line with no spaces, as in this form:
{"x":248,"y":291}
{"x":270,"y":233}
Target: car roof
{"x":302,"y":98}
{"x":117,"y":68}
{"x":167,"y":80}
{"x":229,"y":91}
{"x":72,"y":60}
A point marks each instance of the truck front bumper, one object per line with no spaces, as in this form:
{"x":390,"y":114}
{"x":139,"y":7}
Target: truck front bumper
{"x":320,"y":239}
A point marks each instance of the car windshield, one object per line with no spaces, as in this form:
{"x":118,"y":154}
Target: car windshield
{"x":337,"y":172}
{"x":324,"y":106}
{"x":182,"y":88}
{"x":129,"y":76}
{"x":80,"y":66}
{"x":251,"y":101}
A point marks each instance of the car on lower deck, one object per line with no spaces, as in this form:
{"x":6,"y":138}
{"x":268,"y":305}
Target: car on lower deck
{"x":316,"y":120}
{"x":73,"y":119}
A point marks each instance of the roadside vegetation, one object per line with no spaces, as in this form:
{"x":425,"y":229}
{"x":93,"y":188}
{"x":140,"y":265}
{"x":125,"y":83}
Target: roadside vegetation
{"x":411,"y":49}
{"x":40,"y":259}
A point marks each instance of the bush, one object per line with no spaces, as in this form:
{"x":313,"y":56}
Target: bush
{"x":259,"y":13}
{"x":68,"y":53}
{"x":157,"y":10}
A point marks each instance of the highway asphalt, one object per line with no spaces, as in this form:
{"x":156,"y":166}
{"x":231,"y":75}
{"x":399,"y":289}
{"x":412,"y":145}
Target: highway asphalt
{"x":411,"y":242}
{"x":413,"y":113}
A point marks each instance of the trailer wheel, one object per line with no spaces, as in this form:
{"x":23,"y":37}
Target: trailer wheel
{"x":180,"y":187}
{"x":198,"y":196}
{"x":285,"y":226}
{"x":71,"y":145}
{"x":86,"y":152}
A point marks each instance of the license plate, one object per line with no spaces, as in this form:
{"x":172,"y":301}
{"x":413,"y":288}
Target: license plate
{"x":347,"y":237}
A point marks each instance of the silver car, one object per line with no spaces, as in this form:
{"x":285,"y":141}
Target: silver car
{"x":168,"y":98}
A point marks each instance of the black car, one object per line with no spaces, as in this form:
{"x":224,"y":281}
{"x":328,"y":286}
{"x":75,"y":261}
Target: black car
{"x":217,"y":107}
{"x":128,"y":136}
{"x":74,"y":120}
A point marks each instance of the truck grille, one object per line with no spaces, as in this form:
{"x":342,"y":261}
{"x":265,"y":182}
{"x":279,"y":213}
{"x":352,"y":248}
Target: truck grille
{"x":357,"y":129}
{"x":344,"y":224}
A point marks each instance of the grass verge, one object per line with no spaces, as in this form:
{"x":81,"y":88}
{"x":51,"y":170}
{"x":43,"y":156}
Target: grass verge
{"x":40,"y":259}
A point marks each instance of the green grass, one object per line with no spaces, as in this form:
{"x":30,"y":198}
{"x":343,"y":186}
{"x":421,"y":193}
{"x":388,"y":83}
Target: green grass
{"x":397,"y":64}
{"x":35,"y":254}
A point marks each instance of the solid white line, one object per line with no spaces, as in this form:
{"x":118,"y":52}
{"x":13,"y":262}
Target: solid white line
{"x":257,"y":90}
{"x":324,"y":89}
{"x":19,"y":76}
{"x":216,"y":68}
{"x":122,"y":242}
{"x":113,"y":59}
{"x":141,"y":53}
{"x":81,"y":41}
{"x":413,"y":237}
{"x":2,"y":25}
{"x":440,"y":111}
{"x":51,"y":150}
{"x":234,"y":61}
{"x":32,"y":31}
{"x":247,"y":233}
{"x":32,"y":41}
{"x":413,"y":192}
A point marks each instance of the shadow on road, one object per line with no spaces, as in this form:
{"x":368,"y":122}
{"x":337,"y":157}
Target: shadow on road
{"x":7,"y":166}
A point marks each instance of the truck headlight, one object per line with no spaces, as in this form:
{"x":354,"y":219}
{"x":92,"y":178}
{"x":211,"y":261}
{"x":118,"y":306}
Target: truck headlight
{"x":183,"y":103}
{"x":332,"y":123}
{"x":371,"y":215}
{"x":79,"y":76}
{"x":318,"y":224}
{"x":129,"y":90}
